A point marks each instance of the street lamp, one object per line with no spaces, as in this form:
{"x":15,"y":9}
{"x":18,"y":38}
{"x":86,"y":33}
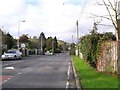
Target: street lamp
{"x":18,"y":43}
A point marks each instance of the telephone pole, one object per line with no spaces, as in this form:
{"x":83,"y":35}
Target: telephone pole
{"x":72,"y":38}
{"x":77,"y":38}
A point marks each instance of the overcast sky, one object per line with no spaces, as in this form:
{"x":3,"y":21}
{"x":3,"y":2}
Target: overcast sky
{"x":53,"y":17}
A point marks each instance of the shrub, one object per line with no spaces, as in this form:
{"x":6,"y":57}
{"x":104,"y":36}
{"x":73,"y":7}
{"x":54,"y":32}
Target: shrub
{"x":90,"y":46}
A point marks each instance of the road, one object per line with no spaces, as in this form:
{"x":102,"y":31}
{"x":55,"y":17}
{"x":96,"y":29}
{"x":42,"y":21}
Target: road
{"x":41,"y":71}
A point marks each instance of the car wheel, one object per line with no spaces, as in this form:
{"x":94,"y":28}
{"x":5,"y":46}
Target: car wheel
{"x":20,"y":57}
{"x":15,"y":57}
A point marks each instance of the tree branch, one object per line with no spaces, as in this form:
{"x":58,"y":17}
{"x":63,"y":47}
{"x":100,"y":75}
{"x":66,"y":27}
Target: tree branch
{"x":100,"y":16}
{"x":114,"y":23}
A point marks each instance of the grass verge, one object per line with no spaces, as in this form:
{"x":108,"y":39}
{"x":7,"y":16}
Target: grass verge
{"x":90,"y":78}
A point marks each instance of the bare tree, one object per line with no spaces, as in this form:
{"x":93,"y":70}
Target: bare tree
{"x":112,"y":9}
{"x":113,"y":15}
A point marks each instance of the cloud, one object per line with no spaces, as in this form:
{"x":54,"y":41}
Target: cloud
{"x":53,"y":17}
{"x":11,"y":7}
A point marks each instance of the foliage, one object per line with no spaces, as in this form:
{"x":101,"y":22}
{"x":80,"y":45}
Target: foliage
{"x":55,"y":44}
{"x":33,"y":43}
{"x":52,"y":44}
{"x":90,"y":45}
{"x":63,"y":46}
{"x":24,"y":38}
{"x":90,"y":78}
{"x":42,"y":42}
{"x":49,"y":43}
{"x":72,"y":50}
{"x":8,"y":40}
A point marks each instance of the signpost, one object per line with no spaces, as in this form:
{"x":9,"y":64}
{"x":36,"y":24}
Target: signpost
{"x":23,"y":45}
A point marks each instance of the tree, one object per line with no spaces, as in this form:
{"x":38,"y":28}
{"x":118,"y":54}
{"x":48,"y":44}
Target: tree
{"x":8,"y":40}
{"x":49,"y":43}
{"x":63,"y":46}
{"x":42,"y":42}
{"x":72,"y":50}
{"x":112,"y":8}
{"x":113,"y":13}
{"x":24,"y":38}
{"x":33,"y":43}
{"x":55,"y":44}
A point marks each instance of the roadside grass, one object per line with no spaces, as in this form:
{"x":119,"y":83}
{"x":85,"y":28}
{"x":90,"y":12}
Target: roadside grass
{"x":90,"y":78}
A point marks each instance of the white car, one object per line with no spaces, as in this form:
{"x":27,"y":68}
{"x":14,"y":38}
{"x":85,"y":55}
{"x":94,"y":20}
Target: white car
{"x":12,"y":54}
{"x":48,"y":53}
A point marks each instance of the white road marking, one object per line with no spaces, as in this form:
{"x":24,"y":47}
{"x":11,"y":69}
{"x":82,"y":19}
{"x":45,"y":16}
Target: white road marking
{"x":68,"y":76}
{"x":67,"y":85}
{"x":19,"y":73}
{"x":5,"y":81}
{"x":68,"y":73}
{"x":10,"y":68}
{"x":10,"y":78}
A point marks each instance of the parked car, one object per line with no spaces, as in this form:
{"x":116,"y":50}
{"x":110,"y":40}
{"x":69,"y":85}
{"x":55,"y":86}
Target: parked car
{"x":48,"y":53}
{"x":12,"y":54}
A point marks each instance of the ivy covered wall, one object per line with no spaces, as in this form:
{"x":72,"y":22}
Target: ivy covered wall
{"x":107,"y":60}
{"x":91,"y":46}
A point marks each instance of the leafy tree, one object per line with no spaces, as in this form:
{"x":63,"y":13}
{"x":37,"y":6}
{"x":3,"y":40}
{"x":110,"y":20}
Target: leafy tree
{"x":72,"y":50}
{"x":55,"y":44}
{"x":24,"y":38}
{"x":42,"y":42}
{"x":63,"y":46}
{"x":49,"y":43}
{"x":8,"y":40}
{"x":34,"y":37}
{"x":33,"y":43}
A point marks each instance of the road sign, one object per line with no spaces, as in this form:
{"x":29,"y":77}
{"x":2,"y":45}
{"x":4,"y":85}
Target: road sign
{"x":23,"y":45}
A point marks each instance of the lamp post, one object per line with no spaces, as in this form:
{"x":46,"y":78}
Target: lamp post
{"x":18,"y":43}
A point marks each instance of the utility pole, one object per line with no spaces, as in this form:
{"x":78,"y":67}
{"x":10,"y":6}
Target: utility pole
{"x":77,"y":37}
{"x":72,"y":38}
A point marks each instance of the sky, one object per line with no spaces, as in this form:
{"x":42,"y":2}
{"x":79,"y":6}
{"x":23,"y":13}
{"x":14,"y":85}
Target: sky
{"x":53,"y":17}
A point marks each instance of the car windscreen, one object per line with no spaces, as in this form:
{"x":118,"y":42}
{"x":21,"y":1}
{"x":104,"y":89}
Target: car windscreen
{"x":11,"y":52}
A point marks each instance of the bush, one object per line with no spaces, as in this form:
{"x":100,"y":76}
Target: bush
{"x":90,"y":46}
{"x":72,"y":50}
